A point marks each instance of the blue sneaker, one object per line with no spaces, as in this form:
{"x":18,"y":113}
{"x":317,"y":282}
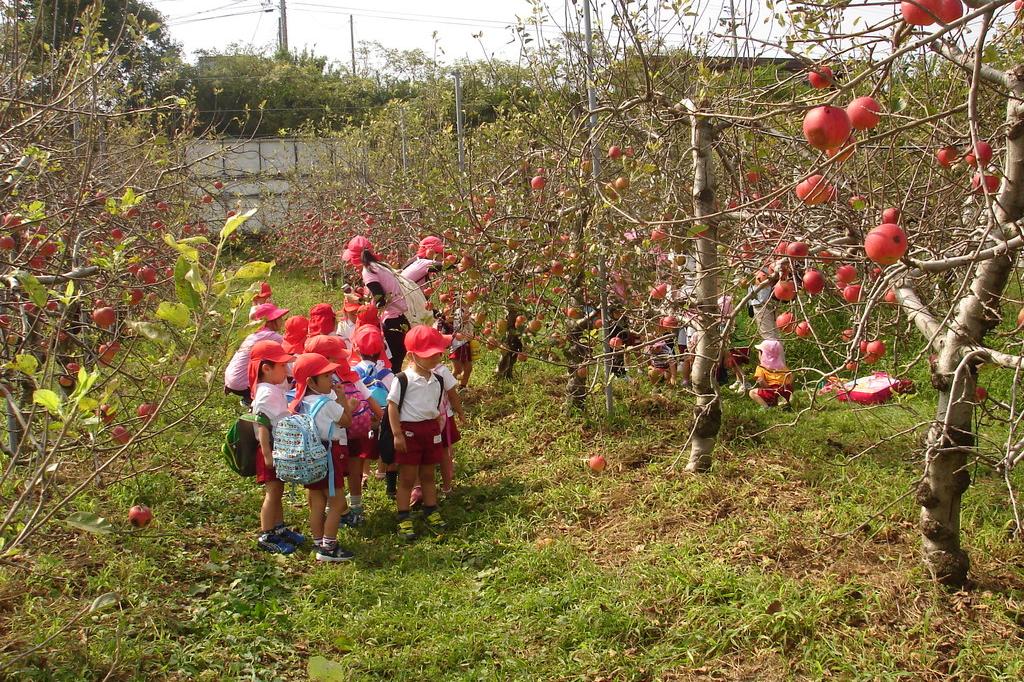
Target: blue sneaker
{"x":290,"y":536}
{"x":272,"y":542}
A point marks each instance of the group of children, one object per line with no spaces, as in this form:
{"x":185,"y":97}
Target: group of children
{"x":364,"y":411}
{"x":670,"y":356}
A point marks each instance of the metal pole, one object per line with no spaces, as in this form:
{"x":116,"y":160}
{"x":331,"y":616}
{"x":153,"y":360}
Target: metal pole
{"x":458,"y":123}
{"x":282,"y":38}
{"x":732,"y":30}
{"x":405,"y":147}
{"x":595,"y":159}
{"x":352,"y":40}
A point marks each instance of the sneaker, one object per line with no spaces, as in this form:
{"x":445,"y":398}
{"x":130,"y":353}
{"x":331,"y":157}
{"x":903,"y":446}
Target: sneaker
{"x":416,"y":497}
{"x":353,"y":518}
{"x":435,"y":521}
{"x":335,"y":553}
{"x":271,"y":542}
{"x":290,"y":536}
{"x":406,"y":530}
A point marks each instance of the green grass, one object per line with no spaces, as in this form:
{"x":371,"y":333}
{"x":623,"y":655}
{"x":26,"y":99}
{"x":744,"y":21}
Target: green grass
{"x":797,"y":556}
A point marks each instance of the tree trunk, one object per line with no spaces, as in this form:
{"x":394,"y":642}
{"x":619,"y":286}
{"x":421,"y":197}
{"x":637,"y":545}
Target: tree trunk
{"x":513,"y":345}
{"x":707,"y":411}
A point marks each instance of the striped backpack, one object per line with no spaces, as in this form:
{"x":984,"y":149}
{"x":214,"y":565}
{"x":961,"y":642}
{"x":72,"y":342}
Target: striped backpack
{"x":299,"y":454}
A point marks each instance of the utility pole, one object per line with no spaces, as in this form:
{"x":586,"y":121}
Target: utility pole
{"x":595,"y":160}
{"x":458,"y":123}
{"x":733,"y":22}
{"x":405,"y":147}
{"x":352,"y":40}
{"x":282,"y":28}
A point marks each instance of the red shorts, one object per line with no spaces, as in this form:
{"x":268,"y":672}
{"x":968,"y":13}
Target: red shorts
{"x":463,"y":353}
{"x":363,"y":448}
{"x":264,"y":474}
{"x":339,"y":455}
{"x":450,"y":433}
{"x":422,"y":444}
{"x":771,"y":395}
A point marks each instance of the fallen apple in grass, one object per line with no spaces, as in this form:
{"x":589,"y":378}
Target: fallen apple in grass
{"x":597,"y":463}
{"x":140,"y":515}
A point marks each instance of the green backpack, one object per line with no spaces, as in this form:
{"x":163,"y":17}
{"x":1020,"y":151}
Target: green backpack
{"x":241,"y":443}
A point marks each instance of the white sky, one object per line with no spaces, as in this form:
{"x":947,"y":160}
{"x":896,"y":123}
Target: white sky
{"x":323,"y":24}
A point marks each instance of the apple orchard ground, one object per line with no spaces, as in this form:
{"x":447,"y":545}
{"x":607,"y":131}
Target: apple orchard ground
{"x":796,"y":557}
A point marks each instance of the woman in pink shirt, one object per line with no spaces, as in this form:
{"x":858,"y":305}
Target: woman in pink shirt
{"x":387,"y":295}
{"x":420,"y":268}
{"x":236,"y":374}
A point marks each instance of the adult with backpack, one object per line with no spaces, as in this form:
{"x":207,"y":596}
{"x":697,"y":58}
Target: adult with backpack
{"x":400,"y":302}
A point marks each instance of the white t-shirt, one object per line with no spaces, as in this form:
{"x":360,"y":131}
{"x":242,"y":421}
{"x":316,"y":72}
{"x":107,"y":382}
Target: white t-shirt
{"x":344,"y":330}
{"x":327,"y":418}
{"x":449,"y":384}
{"x":271,"y":402}
{"x":422,"y":397}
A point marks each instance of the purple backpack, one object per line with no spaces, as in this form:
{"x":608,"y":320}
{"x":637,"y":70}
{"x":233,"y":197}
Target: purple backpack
{"x":361,"y":418}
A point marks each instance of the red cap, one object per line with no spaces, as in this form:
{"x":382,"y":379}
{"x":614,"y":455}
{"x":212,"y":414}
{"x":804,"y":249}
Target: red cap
{"x":332,"y":348}
{"x":354,"y":250}
{"x":368,"y":315}
{"x":322,"y":319}
{"x":307,"y":366}
{"x":424,"y":340}
{"x":268,"y":312}
{"x":351,"y":304}
{"x":270,"y":351}
{"x":264,"y":291}
{"x":430,"y":247}
{"x":295,"y":332}
{"x":368,"y":340}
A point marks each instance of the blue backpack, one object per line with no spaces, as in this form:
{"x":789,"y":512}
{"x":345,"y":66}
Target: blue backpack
{"x":374,"y":381}
{"x":299,"y":454}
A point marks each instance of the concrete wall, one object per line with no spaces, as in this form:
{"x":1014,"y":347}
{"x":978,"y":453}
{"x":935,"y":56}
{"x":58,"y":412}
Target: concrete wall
{"x":260,"y":173}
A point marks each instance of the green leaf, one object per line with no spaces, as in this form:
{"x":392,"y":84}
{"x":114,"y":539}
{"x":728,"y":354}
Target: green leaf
{"x":322,"y":670}
{"x":85,"y":382}
{"x":173,"y":313}
{"x":186,"y":293}
{"x":232,"y":224}
{"x":24,"y":363}
{"x":90,"y":522}
{"x":36,"y":291}
{"x":153,"y":331}
{"x":182,"y":247}
{"x":254,"y":270}
{"x":195,"y":278}
{"x":48,"y":399}
{"x":104,"y":601}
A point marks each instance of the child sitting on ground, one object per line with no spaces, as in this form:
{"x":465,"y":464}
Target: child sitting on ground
{"x":772,"y":378}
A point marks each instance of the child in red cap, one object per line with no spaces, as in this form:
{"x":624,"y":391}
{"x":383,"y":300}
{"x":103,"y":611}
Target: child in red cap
{"x":331,"y":413}
{"x":259,"y":298}
{"x":267,"y":370}
{"x":236,"y":376}
{"x":322,"y":320}
{"x":367,"y":414}
{"x":369,"y":342}
{"x":414,"y":403}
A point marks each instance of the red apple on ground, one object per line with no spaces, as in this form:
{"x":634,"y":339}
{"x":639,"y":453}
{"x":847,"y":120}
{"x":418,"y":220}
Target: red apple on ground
{"x":140,"y":515}
{"x":597,"y":463}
